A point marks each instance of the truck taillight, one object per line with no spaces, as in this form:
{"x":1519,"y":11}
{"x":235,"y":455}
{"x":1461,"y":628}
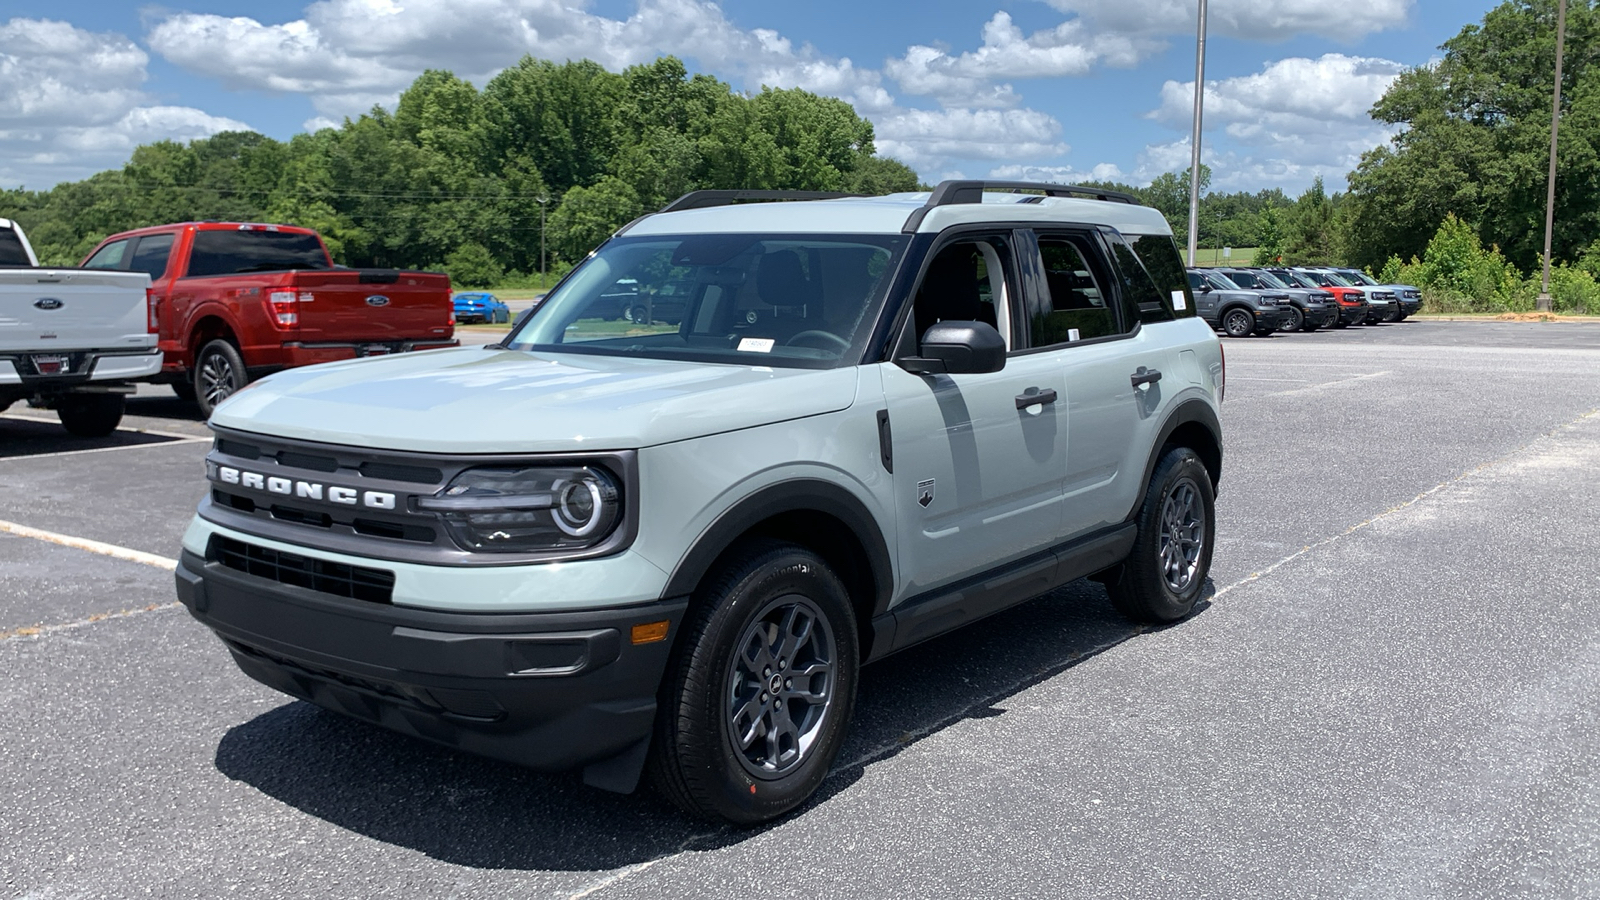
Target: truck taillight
{"x":153,"y":316}
{"x":286,"y":306}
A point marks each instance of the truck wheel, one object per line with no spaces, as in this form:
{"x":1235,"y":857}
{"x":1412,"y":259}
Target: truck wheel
{"x":218,"y":373}
{"x":1295,"y":321}
{"x":754,"y":706}
{"x":91,"y":415}
{"x":1238,"y":323}
{"x":1164,"y":574}
{"x":184,"y":389}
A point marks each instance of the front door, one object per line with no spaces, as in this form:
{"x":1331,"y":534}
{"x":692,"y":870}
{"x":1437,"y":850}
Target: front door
{"x":978,"y":468}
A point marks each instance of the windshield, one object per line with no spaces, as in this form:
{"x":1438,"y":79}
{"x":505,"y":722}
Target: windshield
{"x":805,"y":301}
{"x":1270,"y":280}
{"x":1356,"y":276}
{"x":1245,"y":279}
{"x":1221,"y":282}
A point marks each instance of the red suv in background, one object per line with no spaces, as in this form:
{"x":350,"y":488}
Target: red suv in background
{"x":234,"y":301}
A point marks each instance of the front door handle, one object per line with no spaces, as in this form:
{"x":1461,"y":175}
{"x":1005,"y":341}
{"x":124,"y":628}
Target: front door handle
{"x":1035,"y":397}
{"x":1146,"y":376}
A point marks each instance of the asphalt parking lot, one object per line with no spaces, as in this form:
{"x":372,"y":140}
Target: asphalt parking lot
{"x":1393,"y":690}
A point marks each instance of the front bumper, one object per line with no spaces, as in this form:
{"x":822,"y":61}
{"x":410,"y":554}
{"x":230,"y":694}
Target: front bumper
{"x":1352,"y":314}
{"x":549,"y":690}
{"x":1271,"y":319}
{"x":1318,"y":316}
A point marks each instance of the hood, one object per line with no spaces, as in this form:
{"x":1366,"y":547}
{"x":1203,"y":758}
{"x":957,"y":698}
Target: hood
{"x":478,"y":400}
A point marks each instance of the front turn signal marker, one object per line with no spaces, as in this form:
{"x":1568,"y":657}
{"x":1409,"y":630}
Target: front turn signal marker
{"x":649,"y":633}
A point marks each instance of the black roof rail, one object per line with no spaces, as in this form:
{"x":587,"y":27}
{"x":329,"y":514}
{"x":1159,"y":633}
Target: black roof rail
{"x":958,"y":191}
{"x":707,"y":199}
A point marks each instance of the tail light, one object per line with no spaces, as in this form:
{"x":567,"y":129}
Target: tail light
{"x":286,"y":307}
{"x":152,"y":314}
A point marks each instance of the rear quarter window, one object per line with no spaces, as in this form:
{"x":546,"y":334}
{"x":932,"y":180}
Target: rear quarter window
{"x":1154,"y":279}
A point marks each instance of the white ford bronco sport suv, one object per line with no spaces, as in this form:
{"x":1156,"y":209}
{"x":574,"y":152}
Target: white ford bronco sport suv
{"x":662,"y":548}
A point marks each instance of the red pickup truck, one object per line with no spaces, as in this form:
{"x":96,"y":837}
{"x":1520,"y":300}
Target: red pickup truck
{"x":233,"y":301}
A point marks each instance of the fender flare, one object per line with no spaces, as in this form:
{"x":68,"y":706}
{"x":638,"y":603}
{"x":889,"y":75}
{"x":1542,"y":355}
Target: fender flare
{"x":801,"y":494}
{"x":1193,"y":410}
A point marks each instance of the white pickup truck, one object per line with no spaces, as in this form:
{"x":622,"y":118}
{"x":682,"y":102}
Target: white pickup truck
{"x":72,"y":340}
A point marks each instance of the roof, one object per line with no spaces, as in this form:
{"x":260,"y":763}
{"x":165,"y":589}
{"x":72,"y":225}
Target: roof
{"x":888,"y":214}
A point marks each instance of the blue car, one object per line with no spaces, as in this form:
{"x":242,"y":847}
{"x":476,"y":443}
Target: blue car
{"x":481,"y":307}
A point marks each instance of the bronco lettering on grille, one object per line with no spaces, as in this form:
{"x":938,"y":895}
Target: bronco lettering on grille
{"x":305,"y":490}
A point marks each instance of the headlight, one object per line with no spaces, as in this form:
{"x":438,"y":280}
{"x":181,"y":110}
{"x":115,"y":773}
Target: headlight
{"x":522,"y":509}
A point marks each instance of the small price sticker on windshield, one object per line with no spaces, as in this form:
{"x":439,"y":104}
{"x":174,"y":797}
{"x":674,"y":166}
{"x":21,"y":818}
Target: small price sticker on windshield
{"x":1179,"y":302}
{"x":755,"y":345}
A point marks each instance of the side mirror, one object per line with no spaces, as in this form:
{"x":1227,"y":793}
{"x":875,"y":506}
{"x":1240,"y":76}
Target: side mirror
{"x":958,"y":348}
{"x":1205,"y":288}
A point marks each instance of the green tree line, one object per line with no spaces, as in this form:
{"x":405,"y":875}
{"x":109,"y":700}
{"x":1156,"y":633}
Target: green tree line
{"x":469,"y":181}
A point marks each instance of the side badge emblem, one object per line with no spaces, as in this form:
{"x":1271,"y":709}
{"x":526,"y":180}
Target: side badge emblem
{"x":925,"y":493}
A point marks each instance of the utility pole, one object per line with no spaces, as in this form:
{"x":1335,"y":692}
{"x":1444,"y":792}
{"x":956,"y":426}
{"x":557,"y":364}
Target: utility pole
{"x":1194,"y":141}
{"x":542,"y":199}
{"x":1550,"y":185}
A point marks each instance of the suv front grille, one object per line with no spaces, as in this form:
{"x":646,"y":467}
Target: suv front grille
{"x":338,"y":579}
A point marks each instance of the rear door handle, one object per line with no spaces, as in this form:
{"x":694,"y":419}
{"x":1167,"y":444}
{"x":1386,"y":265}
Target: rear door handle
{"x":1146,"y":376}
{"x":1035,"y":397}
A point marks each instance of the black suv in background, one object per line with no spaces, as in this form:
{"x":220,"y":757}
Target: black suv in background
{"x":1233,"y":310}
{"x":1309,"y":308}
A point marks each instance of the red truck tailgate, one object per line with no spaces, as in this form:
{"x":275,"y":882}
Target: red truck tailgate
{"x":354,"y":305}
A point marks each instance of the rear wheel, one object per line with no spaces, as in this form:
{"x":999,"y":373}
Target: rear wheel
{"x":1238,"y":322}
{"x":91,"y":415}
{"x":755,"y":704}
{"x":1165,"y":573}
{"x":218,"y":374}
{"x":184,"y":389}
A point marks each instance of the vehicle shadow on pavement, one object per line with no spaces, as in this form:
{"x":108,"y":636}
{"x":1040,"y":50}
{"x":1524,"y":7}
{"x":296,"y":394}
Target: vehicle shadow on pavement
{"x":481,"y":813}
{"x":30,"y":437}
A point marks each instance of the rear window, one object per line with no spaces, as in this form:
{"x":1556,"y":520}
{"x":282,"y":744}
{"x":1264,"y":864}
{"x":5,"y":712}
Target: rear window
{"x":1153,"y":276}
{"x":11,"y":250}
{"x":233,"y":252}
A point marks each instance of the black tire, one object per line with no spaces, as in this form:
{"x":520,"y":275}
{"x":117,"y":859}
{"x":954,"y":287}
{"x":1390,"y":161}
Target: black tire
{"x":1338,"y":320}
{"x":1296,"y":321}
{"x":1393,"y":315}
{"x":635,"y":315}
{"x":1238,"y":322}
{"x":1145,"y":590}
{"x":695,"y":760}
{"x":91,"y":415}
{"x":184,"y":390}
{"x":219,"y":373}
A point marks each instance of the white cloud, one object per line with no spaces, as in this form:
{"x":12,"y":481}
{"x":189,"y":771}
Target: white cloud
{"x":1263,"y":20}
{"x":969,"y":79}
{"x":1059,"y":174}
{"x":923,"y":138}
{"x":73,"y":104}
{"x":1295,"y":116}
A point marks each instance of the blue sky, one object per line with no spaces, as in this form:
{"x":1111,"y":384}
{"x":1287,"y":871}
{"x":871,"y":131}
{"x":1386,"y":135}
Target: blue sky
{"x":1056,"y":89}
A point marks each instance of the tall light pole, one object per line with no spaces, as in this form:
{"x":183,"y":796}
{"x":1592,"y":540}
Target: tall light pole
{"x":1550,"y":184}
{"x":542,"y":199}
{"x":1194,"y":141}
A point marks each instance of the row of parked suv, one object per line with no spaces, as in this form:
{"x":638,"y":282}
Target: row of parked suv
{"x":1245,"y":300}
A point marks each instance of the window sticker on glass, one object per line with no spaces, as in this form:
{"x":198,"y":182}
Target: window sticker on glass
{"x":1178,"y":301}
{"x":756,"y":345}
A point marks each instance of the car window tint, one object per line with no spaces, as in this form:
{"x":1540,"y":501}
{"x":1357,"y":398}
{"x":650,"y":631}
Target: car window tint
{"x":232,"y":252}
{"x":1152,"y":273}
{"x":11,"y":250}
{"x":968,"y":281}
{"x":1080,"y":307}
{"x":108,"y":257}
{"x":150,"y":256}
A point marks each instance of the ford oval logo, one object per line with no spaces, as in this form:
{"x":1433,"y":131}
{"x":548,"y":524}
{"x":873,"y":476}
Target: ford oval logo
{"x":377,"y":300}
{"x":48,"y":303}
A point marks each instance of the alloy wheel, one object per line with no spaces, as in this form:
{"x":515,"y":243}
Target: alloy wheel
{"x":1183,"y":535}
{"x":780,"y":686}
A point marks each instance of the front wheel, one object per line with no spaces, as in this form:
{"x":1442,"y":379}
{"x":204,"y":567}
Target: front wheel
{"x":91,"y":415}
{"x":1295,"y":321}
{"x":1165,"y":573}
{"x":219,"y":373}
{"x":754,"y":706}
{"x":1238,"y":323}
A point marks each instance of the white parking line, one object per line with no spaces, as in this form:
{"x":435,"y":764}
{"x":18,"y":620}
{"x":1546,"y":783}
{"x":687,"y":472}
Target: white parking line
{"x":1328,"y":384}
{"x":167,"y":443}
{"x":39,"y":630}
{"x":157,"y":432}
{"x":111,"y":550}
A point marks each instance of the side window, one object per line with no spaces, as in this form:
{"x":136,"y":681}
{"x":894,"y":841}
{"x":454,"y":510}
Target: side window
{"x":150,"y":256}
{"x":968,"y":281}
{"x":11,"y":251}
{"x":1079,"y":307}
{"x":108,"y":257}
{"x":1153,"y":277}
